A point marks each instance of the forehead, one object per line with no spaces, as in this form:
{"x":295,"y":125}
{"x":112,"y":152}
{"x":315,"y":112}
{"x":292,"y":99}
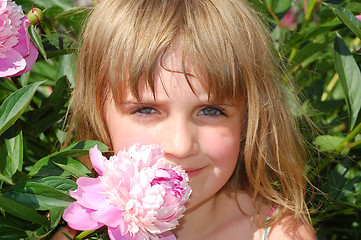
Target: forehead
{"x":184,"y":67}
{"x":172,"y":75}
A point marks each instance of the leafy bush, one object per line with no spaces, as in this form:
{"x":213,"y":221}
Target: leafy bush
{"x":319,"y":44}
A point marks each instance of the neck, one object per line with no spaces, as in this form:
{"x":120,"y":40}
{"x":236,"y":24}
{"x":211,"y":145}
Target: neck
{"x":205,"y":217}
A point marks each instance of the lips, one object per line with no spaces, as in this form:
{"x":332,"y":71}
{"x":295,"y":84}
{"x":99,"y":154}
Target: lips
{"x":192,"y":172}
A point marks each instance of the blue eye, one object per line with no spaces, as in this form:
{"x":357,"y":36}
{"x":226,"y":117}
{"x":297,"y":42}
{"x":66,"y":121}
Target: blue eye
{"x":211,"y":111}
{"x":144,"y":110}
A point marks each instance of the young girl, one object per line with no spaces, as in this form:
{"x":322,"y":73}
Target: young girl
{"x":197,"y":77}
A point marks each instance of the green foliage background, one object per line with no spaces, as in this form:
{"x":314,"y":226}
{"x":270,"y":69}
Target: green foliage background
{"x":321,"y":54}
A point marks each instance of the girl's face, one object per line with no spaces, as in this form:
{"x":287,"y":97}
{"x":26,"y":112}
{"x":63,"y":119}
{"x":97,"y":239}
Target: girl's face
{"x":200,"y":135}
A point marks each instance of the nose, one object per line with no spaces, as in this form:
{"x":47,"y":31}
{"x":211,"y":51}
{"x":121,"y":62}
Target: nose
{"x":181,"y":141}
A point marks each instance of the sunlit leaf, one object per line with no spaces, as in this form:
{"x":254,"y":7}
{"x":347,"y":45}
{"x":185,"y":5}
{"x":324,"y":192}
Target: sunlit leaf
{"x":35,"y":38}
{"x":75,"y":172}
{"x":328,"y":143}
{"x":15,"y":105}
{"x":6,"y":179}
{"x":67,"y":68}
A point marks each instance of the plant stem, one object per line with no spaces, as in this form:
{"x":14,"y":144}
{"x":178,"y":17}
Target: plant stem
{"x":330,"y":87}
{"x":270,"y":10}
{"x":349,"y":138}
{"x":354,"y":144}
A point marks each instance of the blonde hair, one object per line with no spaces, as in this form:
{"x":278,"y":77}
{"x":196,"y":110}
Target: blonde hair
{"x":230,"y":52}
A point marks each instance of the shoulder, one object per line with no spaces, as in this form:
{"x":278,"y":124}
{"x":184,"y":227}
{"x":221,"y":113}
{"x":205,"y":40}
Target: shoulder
{"x":292,"y":229}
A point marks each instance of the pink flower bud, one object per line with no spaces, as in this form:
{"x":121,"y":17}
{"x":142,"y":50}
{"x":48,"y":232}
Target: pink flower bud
{"x":35,"y":16}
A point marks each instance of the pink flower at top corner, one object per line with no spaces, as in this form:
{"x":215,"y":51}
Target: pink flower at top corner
{"x":137,"y":195}
{"x":17,"y":53}
{"x":358,"y":17}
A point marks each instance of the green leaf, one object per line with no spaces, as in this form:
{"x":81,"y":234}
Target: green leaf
{"x":62,"y":184}
{"x":75,"y":172}
{"x":55,"y":216}
{"x":76,"y":149}
{"x":350,"y":77}
{"x":73,"y":12}
{"x":60,"y":94}
{"x":84,"y":234}
{"x":36,"y":39}
{"x":63,"y":4}
{"x":22,"y":211}
{"x":6,"y":179}
{"x":347,"y":18}
{"x":59,"y":44}
{"x":67,"y":68}
{"x":15,"y":105}
{"x":15,"y":227}
{"x":48,"y":167}
{"x":11,"y":151}
{"x":279,"y":6}
{"x":327,"y":143}
{"x":309,"y":50}
{"x":38,"y":196}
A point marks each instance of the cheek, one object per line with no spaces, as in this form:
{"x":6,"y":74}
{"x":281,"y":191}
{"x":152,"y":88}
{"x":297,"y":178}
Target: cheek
{"x":223,"y":147}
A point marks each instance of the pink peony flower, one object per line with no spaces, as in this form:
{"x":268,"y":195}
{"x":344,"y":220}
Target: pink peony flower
{"x":138,"y":195}
{"x":17,"y":53}
{"x":359,"y":17}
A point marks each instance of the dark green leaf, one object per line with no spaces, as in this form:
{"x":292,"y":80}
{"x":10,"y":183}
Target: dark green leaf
{"x":347,"y":18}
{"x":35,"y":38}
{"x":62,"y":184}
{"x":22,"y":211}
{"x":60,"y":94}
{"x":15,"y":105}
{"x":76,"y":149}
{"x":39,"y":196}
{"x":11,"y":151}
{"x":48,"y":167}
{"x":311,"y":33}
{"x":55,"y":216}
{"x":350,"y":77}
{"x":63,"y":4}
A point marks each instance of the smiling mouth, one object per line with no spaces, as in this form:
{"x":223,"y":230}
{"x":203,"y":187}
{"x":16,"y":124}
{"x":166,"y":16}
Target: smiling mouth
{"x":193,"y":172}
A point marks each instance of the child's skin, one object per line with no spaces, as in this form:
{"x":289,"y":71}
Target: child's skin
{"x":203,"y":137}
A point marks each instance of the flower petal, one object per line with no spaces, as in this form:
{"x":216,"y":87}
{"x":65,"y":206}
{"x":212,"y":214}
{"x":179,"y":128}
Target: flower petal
{"x":89,"y":193}
{"x":97,"y":159}
{"x":23,"y":40}
{"x":115,"y":234}
{"x":78,"y":218}
{"x":167,"y":236}
{"x":11,"y":64}
{"x":110,"y":216}
{"x":30,"y":59}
